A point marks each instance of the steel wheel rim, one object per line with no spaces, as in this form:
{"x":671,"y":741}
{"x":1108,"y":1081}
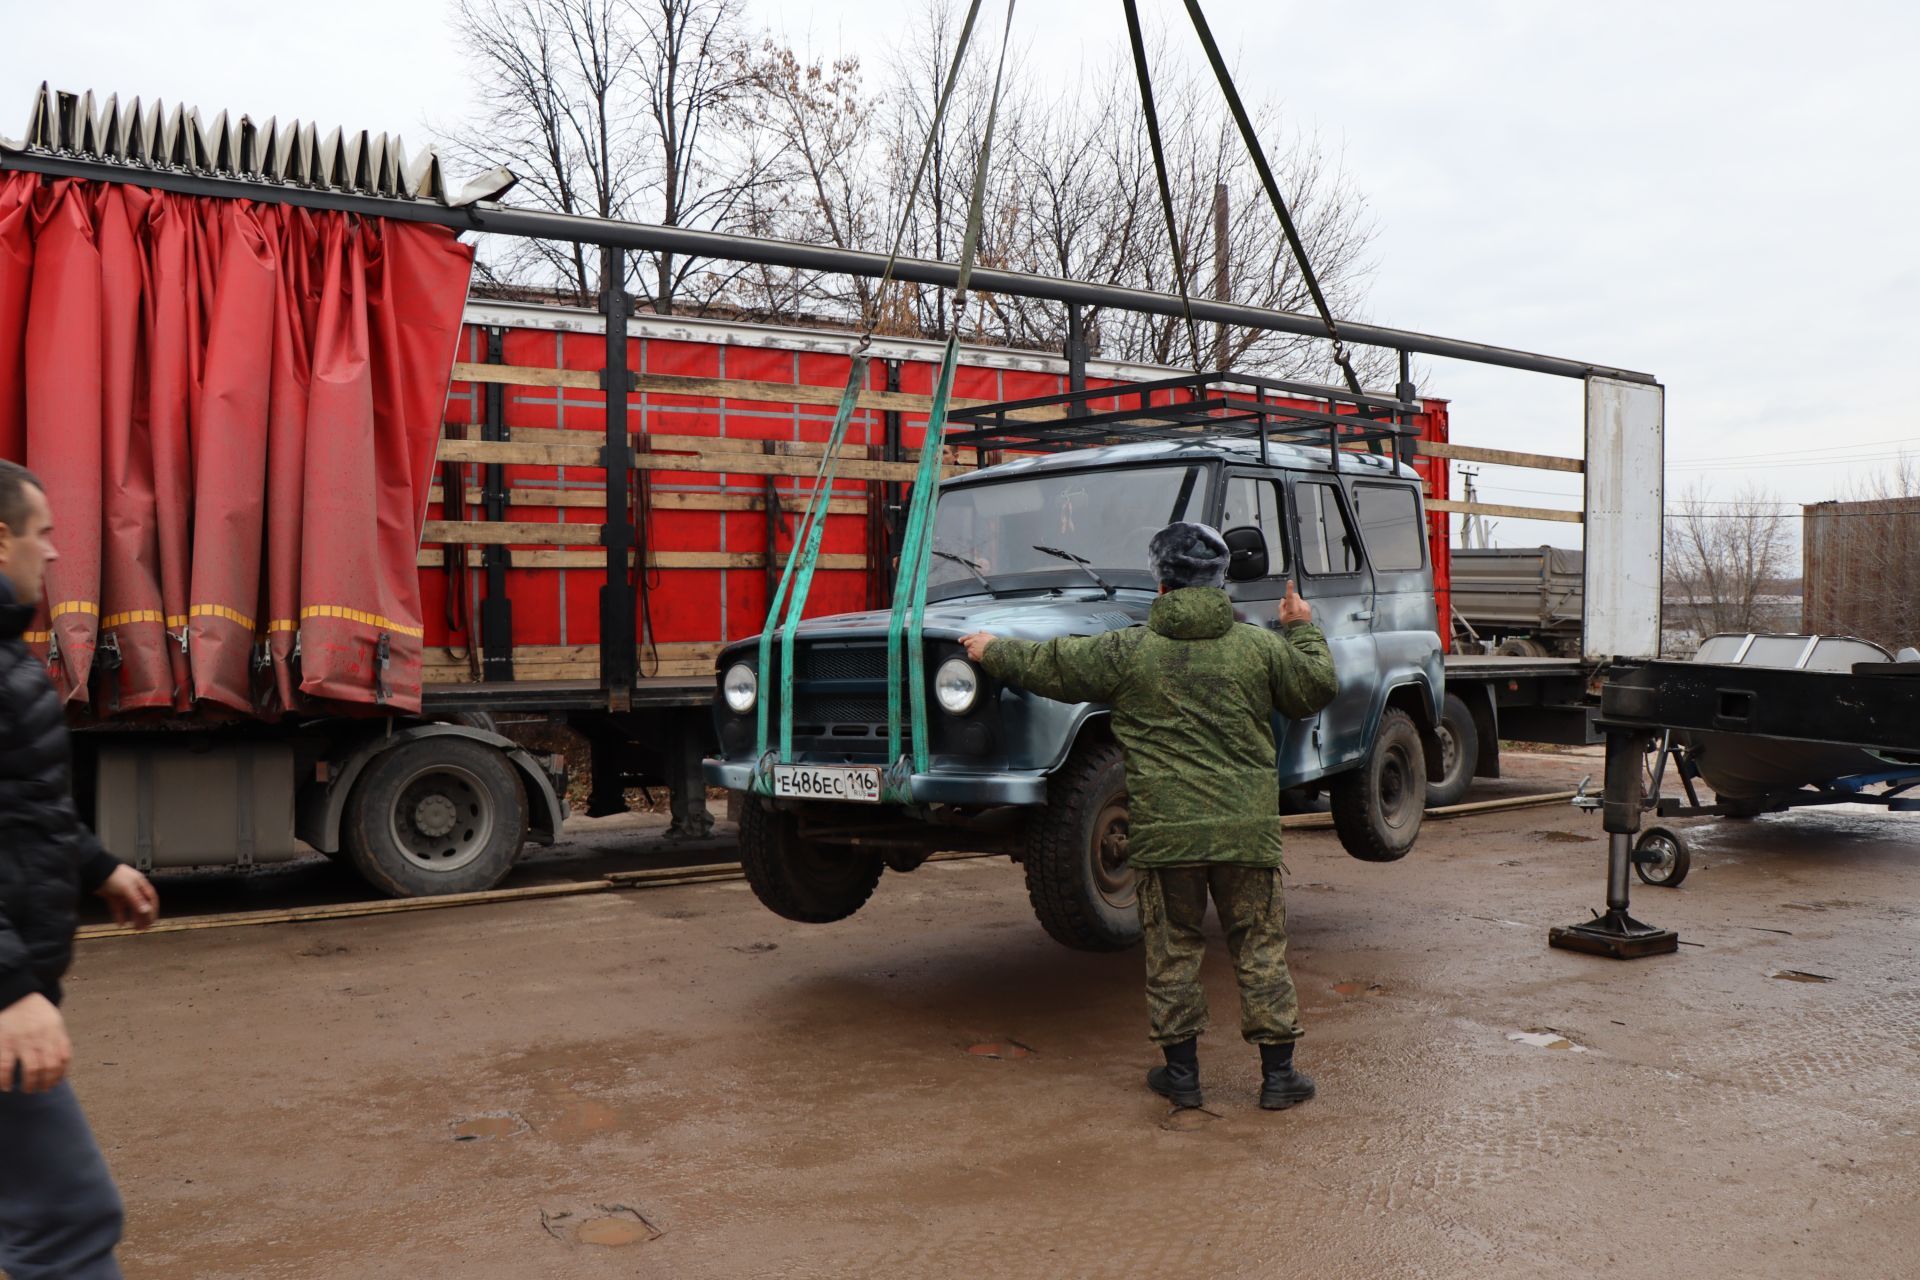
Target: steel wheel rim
{"x":1449,"y":751}
{"x":443,"y":818}
{"x":1107,"y":852}
{"x":1396,"y":787}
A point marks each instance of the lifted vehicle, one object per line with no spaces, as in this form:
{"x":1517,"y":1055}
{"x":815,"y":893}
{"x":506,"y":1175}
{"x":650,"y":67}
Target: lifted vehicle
{"x":1056,"y":545}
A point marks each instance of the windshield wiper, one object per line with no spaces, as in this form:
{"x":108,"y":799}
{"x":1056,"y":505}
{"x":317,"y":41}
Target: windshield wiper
{"x":969,"y":565}
{"x":1084,"y":564}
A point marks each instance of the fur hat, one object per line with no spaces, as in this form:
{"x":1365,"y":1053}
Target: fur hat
{"x":1189,"y":555}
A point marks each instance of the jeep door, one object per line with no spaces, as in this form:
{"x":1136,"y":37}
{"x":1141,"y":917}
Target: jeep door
{"x":1335,"y":580}
{"x":1257,"y":499}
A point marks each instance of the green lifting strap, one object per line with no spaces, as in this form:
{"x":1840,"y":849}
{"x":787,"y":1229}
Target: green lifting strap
{"x":789,"y":600}
{"x":906,"y":623}
{"x":796,"y":579}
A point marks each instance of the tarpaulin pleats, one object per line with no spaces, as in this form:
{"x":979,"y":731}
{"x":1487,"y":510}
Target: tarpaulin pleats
{"x":234,"y":407}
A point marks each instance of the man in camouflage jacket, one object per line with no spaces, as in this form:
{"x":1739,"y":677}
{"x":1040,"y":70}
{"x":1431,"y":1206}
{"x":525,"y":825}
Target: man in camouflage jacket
{"x":1193,"y":694}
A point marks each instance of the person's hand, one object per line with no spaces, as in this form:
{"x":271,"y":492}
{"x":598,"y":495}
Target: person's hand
{"x":33,"y":1037}
{"x":131,"y":897}
{"x":976,"y":644}
{"x":1292,"y":608}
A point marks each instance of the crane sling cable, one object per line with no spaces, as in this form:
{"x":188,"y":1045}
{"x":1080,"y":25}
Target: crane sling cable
{"x":1258,"y":154}
{"x":796,"y":578}
{"x":910,"y":592}
{"x":1160,"y":174}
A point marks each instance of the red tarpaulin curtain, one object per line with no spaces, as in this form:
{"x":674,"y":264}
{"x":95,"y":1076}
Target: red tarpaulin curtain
{"x":234,"y":409}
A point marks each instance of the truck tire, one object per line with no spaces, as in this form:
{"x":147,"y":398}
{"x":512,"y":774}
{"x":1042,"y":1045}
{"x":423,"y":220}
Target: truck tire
{"x":1377,"y":807}
{"x":1460,"y":750}
{"x":1078,"y":879}
{"x":436,"y":815}
{"x":802,"y":879}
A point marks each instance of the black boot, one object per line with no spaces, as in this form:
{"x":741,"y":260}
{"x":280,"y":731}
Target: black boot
{"x":1281,"y":1086}
{"x":1179,"y":1080}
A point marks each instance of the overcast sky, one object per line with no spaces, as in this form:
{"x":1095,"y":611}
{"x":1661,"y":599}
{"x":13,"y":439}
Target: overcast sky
{"x":1724,"y":195}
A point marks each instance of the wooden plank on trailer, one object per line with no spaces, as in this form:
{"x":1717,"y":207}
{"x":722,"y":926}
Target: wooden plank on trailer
{"x":515,"y":453}
{"x":1496,"y":509}
{"x":660,"y":500}
{"x":512,"y":533}
{"x":658,"y":560}
{"x":527,"y":375}
{"x":1501,"y":457}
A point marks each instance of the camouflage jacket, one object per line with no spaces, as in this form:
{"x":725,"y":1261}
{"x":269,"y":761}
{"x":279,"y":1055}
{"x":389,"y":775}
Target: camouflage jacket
{"x":1193,"y":694}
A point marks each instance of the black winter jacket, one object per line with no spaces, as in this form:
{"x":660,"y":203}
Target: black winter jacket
{"x":47,"y":855}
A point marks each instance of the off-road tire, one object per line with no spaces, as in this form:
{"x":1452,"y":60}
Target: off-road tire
{"x":1377,"y":807}
{"x":1080,"y":905}
{"x":802,"y":879}
{"x":467,"y":786}
{"x":1460,"y":742}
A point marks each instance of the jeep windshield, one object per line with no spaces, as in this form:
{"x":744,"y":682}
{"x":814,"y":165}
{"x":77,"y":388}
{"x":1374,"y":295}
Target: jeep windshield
{"x":1105,"y":516}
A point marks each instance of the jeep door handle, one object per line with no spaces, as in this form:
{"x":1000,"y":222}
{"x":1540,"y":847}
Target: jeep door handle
{"x":1363,"y":615}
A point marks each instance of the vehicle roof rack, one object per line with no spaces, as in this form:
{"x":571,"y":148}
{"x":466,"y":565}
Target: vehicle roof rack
{"x":1191,"y":407}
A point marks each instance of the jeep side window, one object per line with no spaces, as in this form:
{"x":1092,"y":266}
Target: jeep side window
{"x":1255,"y":502}
{"x":1327,"y":544}
{"x":1389,"y":517}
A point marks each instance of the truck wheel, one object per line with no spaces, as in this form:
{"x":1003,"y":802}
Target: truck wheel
{"x":1377,"y":807}
{"x":1460,"y":750}
{"x":1076,"y":858}
{"x":802,"y":879}
{"x":436,"y":815}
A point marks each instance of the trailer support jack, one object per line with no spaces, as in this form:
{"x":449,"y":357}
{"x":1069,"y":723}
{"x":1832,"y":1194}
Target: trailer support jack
{"x":1617,"y":934}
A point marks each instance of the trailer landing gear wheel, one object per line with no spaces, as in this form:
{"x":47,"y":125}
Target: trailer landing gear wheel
{"x":1660,"y":857}
{"x":802,"y":879}
{"x":1459,"y":752}
{"x":1377,"y":807}
{"x":436,"y":815}
{"x":1078,"y":880}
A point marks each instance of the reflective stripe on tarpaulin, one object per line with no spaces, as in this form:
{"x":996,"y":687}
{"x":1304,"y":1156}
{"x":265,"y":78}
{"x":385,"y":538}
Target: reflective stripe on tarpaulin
{"x":254,"y":454}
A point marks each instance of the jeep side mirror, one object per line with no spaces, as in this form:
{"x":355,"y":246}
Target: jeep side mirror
{"x":1247,"y":547}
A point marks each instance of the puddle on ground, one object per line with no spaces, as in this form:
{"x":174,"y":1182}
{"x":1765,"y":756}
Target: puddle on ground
{"x":1563,"y":837}
{"x":1187,"y":1119}
{"x":610,"y":1226}
{"x":1547,"y":1039}
{"x":476,"y":1128}
{"x":1354,"y":987}
{"x":1001,"y":1050}
{"x":1798,"y":975}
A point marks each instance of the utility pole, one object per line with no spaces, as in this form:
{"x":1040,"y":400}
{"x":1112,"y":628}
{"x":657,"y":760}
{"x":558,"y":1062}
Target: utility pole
{"x":1221,"y":271}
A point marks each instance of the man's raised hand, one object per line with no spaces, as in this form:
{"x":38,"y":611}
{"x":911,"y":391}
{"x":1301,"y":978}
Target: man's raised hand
{"x":976,"y":645}
{"x":1292,"y":608}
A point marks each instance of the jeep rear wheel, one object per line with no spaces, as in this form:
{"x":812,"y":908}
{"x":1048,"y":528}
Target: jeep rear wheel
{"x":1377,"y":807}
{"x":802,"y":879}
{"x":1078,"y":879}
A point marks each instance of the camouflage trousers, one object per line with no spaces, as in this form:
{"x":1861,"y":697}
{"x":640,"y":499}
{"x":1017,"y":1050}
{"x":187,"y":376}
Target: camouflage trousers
{"x":1253,"y":911}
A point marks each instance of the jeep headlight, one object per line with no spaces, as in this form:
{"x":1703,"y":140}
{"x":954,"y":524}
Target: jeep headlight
{"x":957,"y":686}
{"x":741,"y":688}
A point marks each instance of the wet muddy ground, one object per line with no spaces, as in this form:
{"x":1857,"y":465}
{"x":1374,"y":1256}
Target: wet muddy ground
{"x":674,"y":1082}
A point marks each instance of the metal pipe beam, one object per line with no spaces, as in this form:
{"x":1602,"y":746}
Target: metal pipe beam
{"x":651,"y":238}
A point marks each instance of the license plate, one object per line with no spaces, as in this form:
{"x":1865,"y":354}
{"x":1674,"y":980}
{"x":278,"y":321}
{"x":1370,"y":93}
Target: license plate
{"x":858,"y":784}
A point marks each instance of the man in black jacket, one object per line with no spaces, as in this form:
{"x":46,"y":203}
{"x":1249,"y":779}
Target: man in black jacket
{"x":59,"y":1210}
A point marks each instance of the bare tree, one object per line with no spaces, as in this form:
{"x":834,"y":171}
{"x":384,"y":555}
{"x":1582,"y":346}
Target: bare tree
{"x":1728,"y":562}
{"x":695,"y":74}
{"x":558,"y":81}
{"x":1863,"y":559}
{"x":818,"y":119}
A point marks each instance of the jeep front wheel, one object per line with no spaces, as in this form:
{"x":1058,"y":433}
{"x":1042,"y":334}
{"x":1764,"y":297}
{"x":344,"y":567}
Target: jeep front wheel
{"x":1078,"y":879}
{"x":798,"y":878}
{"x":1377,"y":807}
